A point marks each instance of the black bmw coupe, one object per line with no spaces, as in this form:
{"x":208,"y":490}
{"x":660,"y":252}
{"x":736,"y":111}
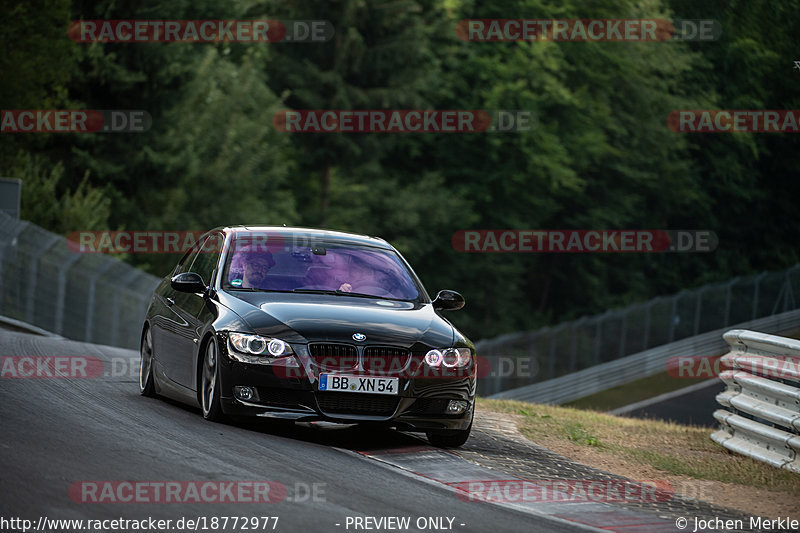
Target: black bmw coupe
{"x":308,"y":325}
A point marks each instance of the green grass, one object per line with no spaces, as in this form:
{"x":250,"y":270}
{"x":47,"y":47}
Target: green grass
{"x":577,"y":433}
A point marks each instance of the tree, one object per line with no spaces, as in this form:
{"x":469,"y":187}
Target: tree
{"x":378,"y":59}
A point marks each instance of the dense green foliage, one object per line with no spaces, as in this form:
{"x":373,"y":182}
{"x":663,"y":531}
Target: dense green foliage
{"x":600,"y":155}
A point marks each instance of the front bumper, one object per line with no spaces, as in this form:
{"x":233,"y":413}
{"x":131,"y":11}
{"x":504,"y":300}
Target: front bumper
{"x":405,"y":417}
{"x":290,"y":393}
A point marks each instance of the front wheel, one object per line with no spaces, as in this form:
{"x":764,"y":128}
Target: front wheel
{"x":210,"y":384}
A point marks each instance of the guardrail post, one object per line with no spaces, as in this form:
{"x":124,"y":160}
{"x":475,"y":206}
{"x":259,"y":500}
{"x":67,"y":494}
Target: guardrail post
{"x":498,"y":378}
{"x":788,"y":294}
{"x":698,"y":308}
{"x":18,"y":227}
{"x":532,"y":356}
{"x":551,"y":364}
{"x":647,"y":317}
{"x":728,"y":293}
{"x":573,"y":348}
{"x":33,"y":271}
{"x":672,"y":314}
{"x":755,"y":294}
{"x":62,"y":292}
{"x":90,"y":299}
{"x":789,"y":274}
{"x":780,"y":298}
{"x":123,"y":281}
{"x":598,"y":338}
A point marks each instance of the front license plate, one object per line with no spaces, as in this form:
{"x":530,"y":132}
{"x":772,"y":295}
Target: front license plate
{"x":342,"y":383}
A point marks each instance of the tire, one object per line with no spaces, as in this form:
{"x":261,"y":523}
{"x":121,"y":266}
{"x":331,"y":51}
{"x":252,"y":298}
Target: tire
{"x":452,"y":438}
{"x":209,"y":384}
{"x":146,"y":385}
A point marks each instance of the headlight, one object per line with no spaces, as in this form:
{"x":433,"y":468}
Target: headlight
{"x":433,"y":358}
{"x":449,"y":357}
{"x":277,"y":348}
{"x":258,"y":345}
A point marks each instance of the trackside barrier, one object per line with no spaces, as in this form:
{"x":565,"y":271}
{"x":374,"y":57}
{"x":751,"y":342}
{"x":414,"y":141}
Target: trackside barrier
{"x":86,"y":297}
{"x":604,"y":376}
{"x":762,"y":398}
{"x":574,"y":346}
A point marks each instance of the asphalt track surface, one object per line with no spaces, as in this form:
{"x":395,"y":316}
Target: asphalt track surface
{"x":55,"y":432}
{"x":58,"y":435}
{"x":696,"y":407}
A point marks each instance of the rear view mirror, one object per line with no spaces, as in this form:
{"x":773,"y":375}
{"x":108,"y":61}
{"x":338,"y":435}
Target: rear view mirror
{"x":188,"y":282}
{"x":448,"y":301}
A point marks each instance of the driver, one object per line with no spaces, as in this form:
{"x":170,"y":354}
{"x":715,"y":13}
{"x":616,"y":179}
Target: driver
{"x":256,"y":267}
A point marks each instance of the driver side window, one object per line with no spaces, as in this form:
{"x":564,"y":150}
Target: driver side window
{"x":184,"y":266}
{"x":206,"y":260}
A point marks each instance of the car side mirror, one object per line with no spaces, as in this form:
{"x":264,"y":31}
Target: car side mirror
{"x":448,"y":301}
{"x":188,"y":282}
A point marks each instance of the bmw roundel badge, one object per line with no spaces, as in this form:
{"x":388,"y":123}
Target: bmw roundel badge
{"x":359,"y":337}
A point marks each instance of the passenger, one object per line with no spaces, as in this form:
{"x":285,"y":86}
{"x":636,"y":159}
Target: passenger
{"x":359,"y":278}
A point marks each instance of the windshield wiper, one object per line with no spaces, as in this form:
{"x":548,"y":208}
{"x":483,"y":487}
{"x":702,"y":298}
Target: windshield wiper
{"x":252,"y":289}
{"x":335,"y":293}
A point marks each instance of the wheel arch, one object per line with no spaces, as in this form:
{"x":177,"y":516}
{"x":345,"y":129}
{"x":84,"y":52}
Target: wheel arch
{"x":145,"y":326}
{"x":201,"y":354}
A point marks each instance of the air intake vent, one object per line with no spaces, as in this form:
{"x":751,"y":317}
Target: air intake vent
{"x":385,"y":359}
{"x":333,"y":356}
{"x":357,"y":404}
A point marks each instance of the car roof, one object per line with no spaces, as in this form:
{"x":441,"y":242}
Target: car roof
{"x":312,"y":233}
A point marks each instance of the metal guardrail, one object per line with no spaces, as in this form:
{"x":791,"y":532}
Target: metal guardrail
{"x":604,"y":376}
{"x":762,"y":398}
{"x":88,"y":297}
{"x":571,"y":347}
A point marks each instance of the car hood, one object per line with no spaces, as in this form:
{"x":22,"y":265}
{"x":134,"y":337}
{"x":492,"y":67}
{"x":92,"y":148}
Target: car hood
{"x":329,"y":318}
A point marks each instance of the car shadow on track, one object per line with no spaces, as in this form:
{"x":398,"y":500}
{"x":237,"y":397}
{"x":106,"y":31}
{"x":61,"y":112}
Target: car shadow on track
{"x":356,"y":437}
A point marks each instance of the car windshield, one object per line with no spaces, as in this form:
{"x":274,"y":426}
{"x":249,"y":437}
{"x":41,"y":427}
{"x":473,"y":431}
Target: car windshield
{"x":326,"y":267}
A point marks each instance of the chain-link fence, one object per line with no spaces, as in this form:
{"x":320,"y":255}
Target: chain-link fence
{"x":95,"y":298}
{"x":568,"y":347}
{"x":88,"y":297}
